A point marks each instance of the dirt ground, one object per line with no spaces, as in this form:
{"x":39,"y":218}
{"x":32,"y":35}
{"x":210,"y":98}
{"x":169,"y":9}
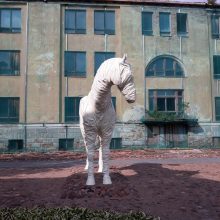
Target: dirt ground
{"x":172,"y":184}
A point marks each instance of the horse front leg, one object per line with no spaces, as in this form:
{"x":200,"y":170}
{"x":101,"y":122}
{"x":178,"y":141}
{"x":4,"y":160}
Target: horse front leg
{"x":100,"y":170}
{"x":105,"y":144}
{"x":89,"y":136}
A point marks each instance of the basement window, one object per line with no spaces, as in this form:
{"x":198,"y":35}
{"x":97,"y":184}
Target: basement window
{"x":216,"y":142}
{"x":15,"y":145}
{"x":66,"y":144}
{"x":116,"y":143}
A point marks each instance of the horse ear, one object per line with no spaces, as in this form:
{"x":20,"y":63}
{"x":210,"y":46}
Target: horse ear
{"x":124,"y":58}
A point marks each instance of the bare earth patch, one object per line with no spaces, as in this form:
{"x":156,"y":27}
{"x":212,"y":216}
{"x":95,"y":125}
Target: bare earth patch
{"x":172,"y":191}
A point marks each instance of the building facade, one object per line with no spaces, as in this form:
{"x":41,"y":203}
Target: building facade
{"x":50,"y":51}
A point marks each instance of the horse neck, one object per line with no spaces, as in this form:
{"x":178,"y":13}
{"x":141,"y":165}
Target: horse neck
{"x":100,"y":94}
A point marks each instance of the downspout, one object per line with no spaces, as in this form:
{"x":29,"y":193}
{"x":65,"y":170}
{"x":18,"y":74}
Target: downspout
{"x":211,"y":69}
{"x":26,"y":78}
{"x":143,"y":53}
{"x":67,"y":92}
{"x":61,"y":67}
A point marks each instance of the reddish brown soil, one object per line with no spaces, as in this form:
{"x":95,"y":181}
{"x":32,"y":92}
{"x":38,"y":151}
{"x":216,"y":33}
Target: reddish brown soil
{"x":172,"y":191}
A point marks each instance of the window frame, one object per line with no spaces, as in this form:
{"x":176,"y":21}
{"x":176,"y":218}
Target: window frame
{"x":75,"y":73}
{"x":165,"y":58}
{"x":216,"y":67}
{"x":76,"y":30}
{"x":150,"y":31}
{"x":12,"y":116}
{"x":66,"y":142}
{"x":14,"y":72}
{"x":103,"y":53}
{"x":215,"y":35}
{"x":180,"y":32}
{"x":217,"y":116}
{"x":104,"y":30}
{"x":73,"y":116}
{"x":114,"y":143}
{"x":153,"y":100}
{"x":165,"y":33}
{"x":12,"y":30}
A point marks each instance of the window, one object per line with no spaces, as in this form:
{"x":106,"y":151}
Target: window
{"x":15,"y":145}
{"x":10,"y":20}
{"x":114,"y":102}
{"x":75,"y":63}
{"x":147,"y":23}
{"x":216,"y":66}
{"x":215,"y":24}
{"x":100,"y":57}
{"x":9,"y":110}
{"x":166,"y":100}
{"x":116,"y":143}
{"x":216,"y":142}
{"x":164,"y":66}
{"x":164,"y":23}
{"x":217,"y":108}
{"x":66,"y":144}
{"x":9,"y":62}
{"x":181,"y":23}
{"x":72,"y":109}
{"x":104,"y":22}
{"x":75,"y":21}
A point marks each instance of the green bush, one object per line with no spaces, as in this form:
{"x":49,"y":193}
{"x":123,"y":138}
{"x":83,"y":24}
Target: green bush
{"x":68,"y":213}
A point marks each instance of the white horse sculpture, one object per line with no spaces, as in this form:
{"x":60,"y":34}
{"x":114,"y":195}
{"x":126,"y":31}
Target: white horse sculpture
{"x":97,"y":114}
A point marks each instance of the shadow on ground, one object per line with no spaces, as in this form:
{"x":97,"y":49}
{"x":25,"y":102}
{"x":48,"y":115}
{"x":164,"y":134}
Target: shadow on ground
{"x":169,"y":193}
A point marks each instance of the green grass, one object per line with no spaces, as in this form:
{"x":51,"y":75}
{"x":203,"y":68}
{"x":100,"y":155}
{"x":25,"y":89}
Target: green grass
{"x":69,"y":213}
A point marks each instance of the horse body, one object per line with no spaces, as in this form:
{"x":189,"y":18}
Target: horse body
{"x":97,"y":114}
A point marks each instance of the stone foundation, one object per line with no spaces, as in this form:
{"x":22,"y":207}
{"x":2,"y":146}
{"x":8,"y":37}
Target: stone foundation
{"x":45,"y":137}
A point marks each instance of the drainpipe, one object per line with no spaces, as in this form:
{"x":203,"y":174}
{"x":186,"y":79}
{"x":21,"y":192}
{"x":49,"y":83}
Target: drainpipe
{"x":211,"y":69}
{"x":143,"y":53}
{"x":61,"y":67}
{"x":67,"y":76}
{"x":106,"y":38}
{"x":26,"y":77}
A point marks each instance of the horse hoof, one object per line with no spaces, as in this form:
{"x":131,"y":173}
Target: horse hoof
{"x":90,"y":181}
{"x":107,"y":180}
{"x":100,"y":170}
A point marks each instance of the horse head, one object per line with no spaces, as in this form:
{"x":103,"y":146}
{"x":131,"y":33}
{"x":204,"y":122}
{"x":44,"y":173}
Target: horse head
{"x":126,"y":82}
